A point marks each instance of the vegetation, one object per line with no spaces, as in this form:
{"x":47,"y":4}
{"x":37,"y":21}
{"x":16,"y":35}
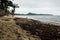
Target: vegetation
{"x":5,"y":4}
{"x":45,"y":31}
{"x":27,"y":29}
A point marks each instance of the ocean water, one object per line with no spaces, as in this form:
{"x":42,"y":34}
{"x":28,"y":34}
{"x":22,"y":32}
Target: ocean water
{"x":49,"y":19}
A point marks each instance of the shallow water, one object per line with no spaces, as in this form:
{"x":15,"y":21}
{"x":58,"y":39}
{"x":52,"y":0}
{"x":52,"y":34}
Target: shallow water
{"x":49,"y":19}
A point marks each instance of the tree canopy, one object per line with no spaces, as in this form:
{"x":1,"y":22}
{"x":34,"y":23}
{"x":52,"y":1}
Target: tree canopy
{"x":4,"y":5}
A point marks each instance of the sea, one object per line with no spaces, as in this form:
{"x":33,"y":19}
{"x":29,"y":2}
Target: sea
{"x":49,"y":19}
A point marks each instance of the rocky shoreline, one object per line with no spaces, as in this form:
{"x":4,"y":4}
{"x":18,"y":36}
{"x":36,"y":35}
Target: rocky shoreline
{"x":27,"y":29}
{"x":45,"y":31}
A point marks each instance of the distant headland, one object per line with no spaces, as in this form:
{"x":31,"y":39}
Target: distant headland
{"x":35,"y":14}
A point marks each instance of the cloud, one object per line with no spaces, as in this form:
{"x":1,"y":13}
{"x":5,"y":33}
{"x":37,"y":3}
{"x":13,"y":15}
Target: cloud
{"x":38,"y":6}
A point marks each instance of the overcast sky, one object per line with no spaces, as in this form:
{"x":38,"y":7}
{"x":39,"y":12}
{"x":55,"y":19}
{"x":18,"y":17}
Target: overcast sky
{"x":38,"y":6}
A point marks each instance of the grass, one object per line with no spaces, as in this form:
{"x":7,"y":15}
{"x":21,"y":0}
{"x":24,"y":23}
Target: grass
{"x":10,"y":31}
{"x":13,"y":28}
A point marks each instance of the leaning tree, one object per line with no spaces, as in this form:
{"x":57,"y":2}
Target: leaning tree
{"x":5,"y":4}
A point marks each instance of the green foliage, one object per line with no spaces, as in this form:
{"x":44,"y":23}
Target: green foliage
{"x":4,"y":5}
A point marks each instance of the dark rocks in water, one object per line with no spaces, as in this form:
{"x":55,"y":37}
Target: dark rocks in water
{"x":45,"y":31}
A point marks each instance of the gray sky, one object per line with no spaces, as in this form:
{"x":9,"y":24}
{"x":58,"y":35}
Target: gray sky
{"x":38,"y":6}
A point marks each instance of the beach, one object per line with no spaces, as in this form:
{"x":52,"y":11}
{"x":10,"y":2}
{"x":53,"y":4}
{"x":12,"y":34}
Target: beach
{"x":27,"y":29}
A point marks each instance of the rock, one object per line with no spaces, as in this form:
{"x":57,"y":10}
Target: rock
{"x":45,"y":31}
